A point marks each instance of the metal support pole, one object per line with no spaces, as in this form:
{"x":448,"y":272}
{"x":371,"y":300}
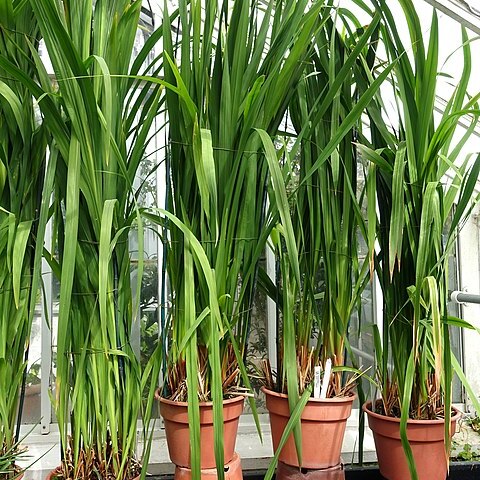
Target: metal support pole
{"x":464,"y":297}
{"x":47,"y":322}
{"x":271,"y":313}
{"x":361,"y":354}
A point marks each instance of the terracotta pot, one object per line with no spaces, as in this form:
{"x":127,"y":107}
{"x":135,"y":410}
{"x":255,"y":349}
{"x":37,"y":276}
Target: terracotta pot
{"x":232,"y":471}
{"x":52,"y":475}
{"x":426,"y":438}
{"x":287,"y":472}
{"x":175,"y":416}
{"x":322,"y":421}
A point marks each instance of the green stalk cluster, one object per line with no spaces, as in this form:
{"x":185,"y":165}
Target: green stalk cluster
{"x":418,"y":214}
{"x":100,"y":116}
{"x":23,"y":141}
{"x":233,"y":70}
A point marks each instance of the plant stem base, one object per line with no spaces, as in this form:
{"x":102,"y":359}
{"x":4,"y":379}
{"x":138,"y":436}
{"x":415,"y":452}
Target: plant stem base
{"x":233,"y":471}
{"x":287,"y":472}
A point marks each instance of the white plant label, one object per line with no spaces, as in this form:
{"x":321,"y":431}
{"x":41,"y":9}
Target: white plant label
{"x":326,"y":378}
{"x":317,"y":382}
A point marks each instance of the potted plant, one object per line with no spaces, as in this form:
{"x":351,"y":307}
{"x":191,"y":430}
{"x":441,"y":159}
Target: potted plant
{"x":100,"y":114}
{"x":23,"y":141}
{"x":322,"y":277}
{"x":233,"y":70}
{"x":424,"y":192}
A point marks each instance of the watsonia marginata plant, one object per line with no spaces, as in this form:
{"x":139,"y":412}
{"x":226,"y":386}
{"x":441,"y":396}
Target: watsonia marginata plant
{"x":100,"y":114}
{"x":234,"y":67}
{"x":23,"y":142}
{"x":424,"y":185}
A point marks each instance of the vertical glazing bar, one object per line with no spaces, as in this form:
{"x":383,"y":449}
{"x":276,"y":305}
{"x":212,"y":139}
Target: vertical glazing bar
{"x":460,"y":309}
{"x":160,"y":155}
{"x":271,"y":314}
{"x":160,"y":146}
{"x":377,"y":298}
{"x":47,"y":321}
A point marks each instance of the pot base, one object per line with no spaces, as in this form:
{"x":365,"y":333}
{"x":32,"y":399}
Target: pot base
{"x":233,"y":471}
{"x":287,"y":472}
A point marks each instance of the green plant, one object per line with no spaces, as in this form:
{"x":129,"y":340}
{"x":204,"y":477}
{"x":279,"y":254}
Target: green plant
{"x":149,"y":311}
{"x":8,"y":459}
{"x":318,"y":220}
{"x":474,"y":423}
{"x":232,"y":71}
{"x":468,"y":453}
{"x":33,"y":374}
{"x":409,"y":160}
{"x":23,"y":141}
{"x":100,"y":114}
{"x":325,"y":211}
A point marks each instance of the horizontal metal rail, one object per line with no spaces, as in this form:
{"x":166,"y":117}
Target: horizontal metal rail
{"x":464,"y":297}
{"x":362,"y":354}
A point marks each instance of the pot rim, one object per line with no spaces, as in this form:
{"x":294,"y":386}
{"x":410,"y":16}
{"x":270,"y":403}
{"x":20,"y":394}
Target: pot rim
{"x":366,"y":407}
{"x":167,"y":401}
{"x":349,"y":398}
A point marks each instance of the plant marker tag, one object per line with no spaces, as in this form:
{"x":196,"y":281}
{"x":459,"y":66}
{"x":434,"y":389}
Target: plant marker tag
{"x":317,"y":382}
{"x":326,"y":378}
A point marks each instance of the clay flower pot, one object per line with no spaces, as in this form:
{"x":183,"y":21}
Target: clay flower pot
{"x":175,"y":416}
{"x":232,"y":471}
{"x":323,"y":428}
{"x":426,"y":438}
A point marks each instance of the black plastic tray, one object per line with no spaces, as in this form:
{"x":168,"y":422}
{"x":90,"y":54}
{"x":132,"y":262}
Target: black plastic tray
{"x":458,"y":471}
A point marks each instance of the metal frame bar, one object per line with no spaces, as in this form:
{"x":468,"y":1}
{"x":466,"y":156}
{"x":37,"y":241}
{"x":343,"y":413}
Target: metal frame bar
{"x":46,"y":336}
{"x":459,"y":10}
{"x":460,"y":297}
{"x":161,"y":187}
{"x":271,"y":313}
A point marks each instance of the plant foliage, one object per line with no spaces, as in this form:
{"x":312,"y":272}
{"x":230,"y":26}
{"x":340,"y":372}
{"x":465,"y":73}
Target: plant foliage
{"x":325,"y":207}
{"x":232,"y":69}
{"x":23,"y":140}
{"x":314,"y":200}
{"x":100,"y":118}
{"x":424,"y":193}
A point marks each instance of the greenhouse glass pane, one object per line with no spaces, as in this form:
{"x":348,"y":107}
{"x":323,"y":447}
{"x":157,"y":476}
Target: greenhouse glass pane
{"x":31,"y":407}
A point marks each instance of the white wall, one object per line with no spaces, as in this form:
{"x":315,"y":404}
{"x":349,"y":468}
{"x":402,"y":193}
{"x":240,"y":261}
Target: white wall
{"x":469,"y":260}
